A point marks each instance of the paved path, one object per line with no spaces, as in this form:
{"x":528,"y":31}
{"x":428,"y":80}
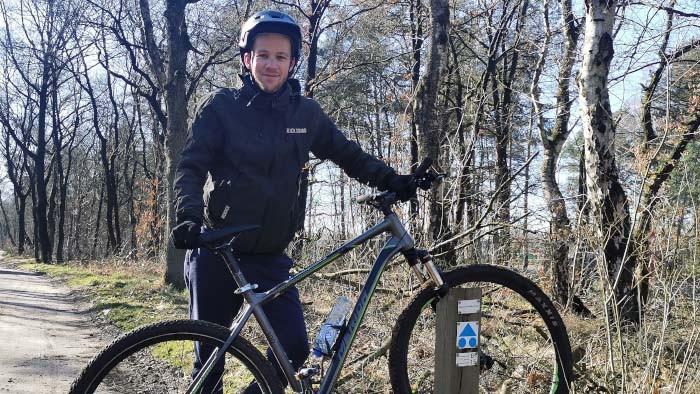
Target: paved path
{"x":44,"y":339}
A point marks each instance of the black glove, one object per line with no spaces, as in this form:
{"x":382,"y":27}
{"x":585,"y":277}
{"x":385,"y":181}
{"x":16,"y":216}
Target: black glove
{"x":186,"y":233}
{"x":403,"y":185}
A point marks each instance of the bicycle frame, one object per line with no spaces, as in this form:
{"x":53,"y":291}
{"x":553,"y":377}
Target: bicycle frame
{"x":399,"y":241}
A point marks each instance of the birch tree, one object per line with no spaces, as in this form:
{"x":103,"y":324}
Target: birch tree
{"x":609,"y":203}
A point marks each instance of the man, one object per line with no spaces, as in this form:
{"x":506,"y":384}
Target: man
{"x":250,"y":145}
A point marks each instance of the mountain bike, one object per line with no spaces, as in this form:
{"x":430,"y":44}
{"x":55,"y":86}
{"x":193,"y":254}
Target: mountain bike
{"x":523,"y":345}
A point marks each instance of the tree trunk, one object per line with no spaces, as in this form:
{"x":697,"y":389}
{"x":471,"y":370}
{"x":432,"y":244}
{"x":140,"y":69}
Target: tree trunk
{"x":416,"y":20}
{"x":609,"y":204}
{"x":7,"y":223}
{"x":317,"y":10}
{"x":75,"y":244}
{"x":96,"y":235}
{"x":59,"y":179}
{"x":35,"y":245}
{"x":552,"y":143}
{"x":51,"y":214}
{"x":41,"y":205}
{"x":176,"y":103}
{"x":15,"y":174}
{"x":660,"y":167}
{"x":503,"y":111}
{"x":640,"y":245}
{"x":502,"y":180}
{"x":111,"y":169}
{"x":584,"y":258}
{"x":426,"y":106}
{"x":106,"y":160}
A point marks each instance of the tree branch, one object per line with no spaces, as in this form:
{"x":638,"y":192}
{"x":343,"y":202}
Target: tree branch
{"x":670,"y":10}
{"x":211,"y":61}
{"x":488,"y":209}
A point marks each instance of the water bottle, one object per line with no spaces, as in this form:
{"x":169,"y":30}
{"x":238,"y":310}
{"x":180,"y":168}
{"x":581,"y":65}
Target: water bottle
{"x":325,"y":341}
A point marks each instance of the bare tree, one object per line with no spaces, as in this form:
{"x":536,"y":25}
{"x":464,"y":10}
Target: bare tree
{"x":7,"y":230}
{"x":16,"y":163}
{"x":107,"y":159}
{"x":66,"y":123}
{"x":39,"y":57}
{"x":504,"y":100}
{"x":609,"y":204}
{"x":167,"y":75}
{"x":665,"y":151}
{"x":553,"y":140}
{"x":425,"y":106}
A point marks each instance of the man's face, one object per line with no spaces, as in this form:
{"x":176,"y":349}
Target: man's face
{"x":270,"y":61}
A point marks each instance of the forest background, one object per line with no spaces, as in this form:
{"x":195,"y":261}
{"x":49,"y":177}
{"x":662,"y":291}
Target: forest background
{"x":567,"y":130}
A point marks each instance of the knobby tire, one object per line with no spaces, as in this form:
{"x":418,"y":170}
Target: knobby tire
{"x":152,"y":344}
{"x":521,"y":331}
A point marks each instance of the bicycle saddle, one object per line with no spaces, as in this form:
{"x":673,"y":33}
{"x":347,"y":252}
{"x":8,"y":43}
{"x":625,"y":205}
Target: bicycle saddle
{"x":223,"y":236}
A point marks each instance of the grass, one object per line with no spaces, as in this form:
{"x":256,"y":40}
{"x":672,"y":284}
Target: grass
{"x":127,"y":296}
{"x":173,"y":351}
{"x":662,"y":358}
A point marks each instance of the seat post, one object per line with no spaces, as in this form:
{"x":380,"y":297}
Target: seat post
{"x":226,"y":253}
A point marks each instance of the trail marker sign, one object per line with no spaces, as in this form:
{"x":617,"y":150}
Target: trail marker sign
{"x":467,"y":335}
{"x":457,"y":342}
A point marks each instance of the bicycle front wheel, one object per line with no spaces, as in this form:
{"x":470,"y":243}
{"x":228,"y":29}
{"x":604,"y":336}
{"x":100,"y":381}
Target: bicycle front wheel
{"x":523,"y":346}
{"x":158,"y":359}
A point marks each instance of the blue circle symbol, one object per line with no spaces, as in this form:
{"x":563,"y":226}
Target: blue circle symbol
{"x":462,"y":343}
{"x":472,"y":342}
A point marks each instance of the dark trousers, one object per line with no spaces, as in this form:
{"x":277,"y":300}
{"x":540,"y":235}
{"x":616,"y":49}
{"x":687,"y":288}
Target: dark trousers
{"x":212,"y":298}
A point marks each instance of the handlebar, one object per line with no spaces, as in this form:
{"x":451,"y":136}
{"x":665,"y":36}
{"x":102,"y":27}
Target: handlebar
{"x":366,"y":197}
{"x":424,"y":176}
{"x":423,"y":167}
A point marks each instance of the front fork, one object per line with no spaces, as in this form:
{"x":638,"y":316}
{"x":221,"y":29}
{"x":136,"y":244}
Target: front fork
{"x":421,"y":262}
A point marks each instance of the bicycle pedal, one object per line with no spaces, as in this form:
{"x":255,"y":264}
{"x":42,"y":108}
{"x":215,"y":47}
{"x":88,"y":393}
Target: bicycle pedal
{"x":306,"y":373}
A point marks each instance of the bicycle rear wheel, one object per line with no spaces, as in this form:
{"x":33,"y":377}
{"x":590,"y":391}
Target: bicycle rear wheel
{"x":158,"y":359}
{"x":524,"y":347}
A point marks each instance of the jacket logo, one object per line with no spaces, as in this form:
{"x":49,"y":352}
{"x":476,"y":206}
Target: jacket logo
{"x":293,"y":130}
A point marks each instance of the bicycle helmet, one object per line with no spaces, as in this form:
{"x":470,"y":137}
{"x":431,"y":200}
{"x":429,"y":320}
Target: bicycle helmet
{"x":270,"y":22}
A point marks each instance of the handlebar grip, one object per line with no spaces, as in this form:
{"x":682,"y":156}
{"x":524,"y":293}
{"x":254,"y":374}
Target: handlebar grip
{"x":364,"y":198}
{"x":423,"y":167}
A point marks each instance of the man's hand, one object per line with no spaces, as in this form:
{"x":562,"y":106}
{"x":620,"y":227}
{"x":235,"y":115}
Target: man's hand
{"x":403,"y":185}
{"x":186,"y":234}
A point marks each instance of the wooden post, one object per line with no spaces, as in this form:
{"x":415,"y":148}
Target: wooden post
{"x":457,"y":342}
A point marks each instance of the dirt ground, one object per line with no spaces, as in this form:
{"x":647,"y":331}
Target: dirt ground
{"x":46,"y":337}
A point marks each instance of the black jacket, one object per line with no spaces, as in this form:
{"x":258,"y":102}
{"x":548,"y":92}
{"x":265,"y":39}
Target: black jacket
{"x":250,"y":147}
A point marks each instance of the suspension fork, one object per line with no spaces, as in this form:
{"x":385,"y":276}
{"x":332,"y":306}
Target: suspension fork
{"x":421,"y":262}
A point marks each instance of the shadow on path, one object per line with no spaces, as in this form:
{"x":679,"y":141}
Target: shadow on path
{"x":46,"y":339}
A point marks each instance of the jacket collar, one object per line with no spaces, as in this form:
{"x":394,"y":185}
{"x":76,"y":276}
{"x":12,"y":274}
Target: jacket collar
{"x":262,"y":100}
